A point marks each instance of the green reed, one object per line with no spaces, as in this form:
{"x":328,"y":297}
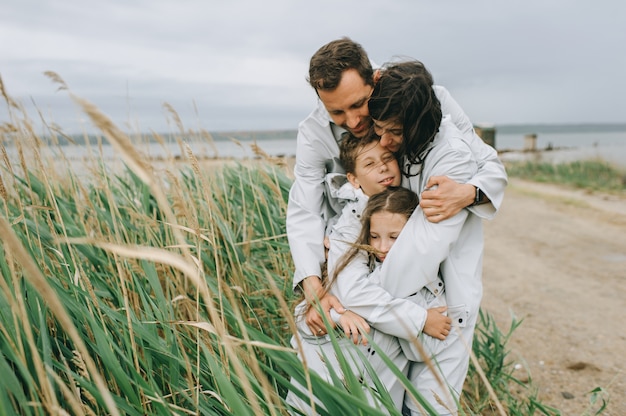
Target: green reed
{"x":592,"y":175}
{"x":153,"y":290}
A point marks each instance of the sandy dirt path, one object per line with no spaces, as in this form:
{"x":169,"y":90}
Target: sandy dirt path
{"x":557,"y":259}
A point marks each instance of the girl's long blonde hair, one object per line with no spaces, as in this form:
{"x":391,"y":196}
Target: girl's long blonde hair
{"x":395,"y":200}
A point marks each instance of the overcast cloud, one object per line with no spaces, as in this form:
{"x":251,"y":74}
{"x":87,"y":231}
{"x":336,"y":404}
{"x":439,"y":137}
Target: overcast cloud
{"x":242,"y":65}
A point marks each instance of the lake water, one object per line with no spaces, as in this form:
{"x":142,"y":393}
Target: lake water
{"x":607,"y":142}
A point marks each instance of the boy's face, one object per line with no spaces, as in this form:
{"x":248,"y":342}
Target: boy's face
{"x":375,"y":169}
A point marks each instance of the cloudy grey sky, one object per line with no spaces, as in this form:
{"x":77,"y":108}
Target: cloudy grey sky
{"x":241,"y":64}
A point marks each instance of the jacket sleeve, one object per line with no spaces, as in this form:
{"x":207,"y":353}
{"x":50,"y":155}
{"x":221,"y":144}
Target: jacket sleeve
{"x":357,"y":292}
{"x":305,"y":221}
{"x":491,"y":177}
{"x":422,"y":246}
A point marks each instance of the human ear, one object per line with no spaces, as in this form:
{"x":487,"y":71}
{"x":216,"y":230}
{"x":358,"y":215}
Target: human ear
{"x":377,"y":75}
{"x":353,"y":180}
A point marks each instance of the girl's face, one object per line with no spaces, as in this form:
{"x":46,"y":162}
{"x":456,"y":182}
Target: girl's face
{"x":385,"y":228}
{"x":390,"y":133}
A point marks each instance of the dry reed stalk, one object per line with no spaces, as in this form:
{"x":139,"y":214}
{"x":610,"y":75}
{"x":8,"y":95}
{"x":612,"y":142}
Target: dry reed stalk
{"x":6,"y":160}
{"x":209,"y":139}
{"x":192,"y":158}
{"x":179,"y":204}
{"x":39,"y":282}
{"x":20,"y":153}
{"x":77,"y":360}
{"x":7,"y":98}
{"x":74,"y":402}
{"x":56,"y":79}
{"x":175,"y":116}
{"x":3,"y":191}
{"x":72,"y":392}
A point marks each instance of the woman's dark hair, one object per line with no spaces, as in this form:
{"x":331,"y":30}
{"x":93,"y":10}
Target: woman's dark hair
{"x":404,"y":94}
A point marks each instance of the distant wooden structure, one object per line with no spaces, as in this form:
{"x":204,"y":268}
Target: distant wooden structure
{"x":530,"y":142}
{"x":487,"y":133}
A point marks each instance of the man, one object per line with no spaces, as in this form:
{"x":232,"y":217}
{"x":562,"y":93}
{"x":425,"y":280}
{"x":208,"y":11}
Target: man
{"x":343,"y":78}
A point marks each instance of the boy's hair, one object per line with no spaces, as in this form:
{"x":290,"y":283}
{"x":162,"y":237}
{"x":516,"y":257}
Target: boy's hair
{"x":404,"y":94}
{"x":394,"y":199}
{"x":351,"y":146}
{"x":331,"y":60}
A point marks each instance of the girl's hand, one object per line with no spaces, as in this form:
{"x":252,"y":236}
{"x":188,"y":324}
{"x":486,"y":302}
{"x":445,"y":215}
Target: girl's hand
{"x":437,"y":324}
{"x":354,"y":327}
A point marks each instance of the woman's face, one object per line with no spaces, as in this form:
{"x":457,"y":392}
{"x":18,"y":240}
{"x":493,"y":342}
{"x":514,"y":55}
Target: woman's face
{"x":390,"y":133}
{"x":385,"y":228}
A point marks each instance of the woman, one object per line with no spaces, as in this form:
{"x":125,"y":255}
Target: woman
{"x":408,"y":117}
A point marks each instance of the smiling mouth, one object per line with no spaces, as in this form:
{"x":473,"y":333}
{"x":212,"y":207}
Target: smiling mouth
{"x":387,"y":181}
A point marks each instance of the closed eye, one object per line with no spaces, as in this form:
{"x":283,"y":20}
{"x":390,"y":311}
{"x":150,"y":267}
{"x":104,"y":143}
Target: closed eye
{"x":360,"y":104}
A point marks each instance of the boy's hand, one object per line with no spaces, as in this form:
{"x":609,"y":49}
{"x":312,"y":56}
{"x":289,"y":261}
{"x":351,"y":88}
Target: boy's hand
{"x":354,"y":327}
{"x":444,"y":198}
{"x":437,"y":324}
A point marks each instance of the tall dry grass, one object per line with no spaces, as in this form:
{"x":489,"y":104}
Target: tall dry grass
{"x":146,"y":290}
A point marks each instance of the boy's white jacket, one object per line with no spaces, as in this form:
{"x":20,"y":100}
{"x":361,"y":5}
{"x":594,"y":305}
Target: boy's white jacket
{"x":317,"y":154}
{"x":347,"y":224}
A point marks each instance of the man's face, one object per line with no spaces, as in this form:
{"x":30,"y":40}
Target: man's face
{"x":347,"y":104}
{"x":390,"y":133}
{"x":376,"y":168}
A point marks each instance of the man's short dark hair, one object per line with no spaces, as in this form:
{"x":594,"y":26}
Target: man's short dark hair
{"x":331,"y":60}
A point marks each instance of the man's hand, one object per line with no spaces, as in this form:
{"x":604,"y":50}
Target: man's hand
{"x":437,"y":324}
{"x":314,"y":293}
{"x":446,"y":199}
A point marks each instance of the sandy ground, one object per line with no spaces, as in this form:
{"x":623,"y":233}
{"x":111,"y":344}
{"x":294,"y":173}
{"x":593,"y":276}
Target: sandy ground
{"x":557,"y":259}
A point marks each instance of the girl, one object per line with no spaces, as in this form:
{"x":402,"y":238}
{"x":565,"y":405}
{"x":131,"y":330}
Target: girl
{"x":382,"y":221}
